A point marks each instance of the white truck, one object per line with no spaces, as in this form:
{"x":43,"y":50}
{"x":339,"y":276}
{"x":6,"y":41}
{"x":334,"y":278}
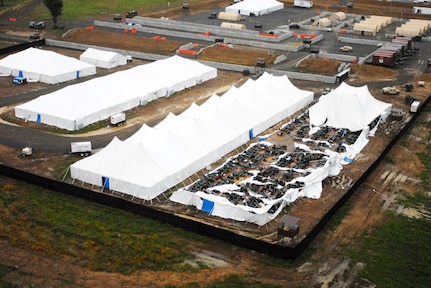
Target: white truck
{"x":414,"y":107}
{"x":118,"y":119}
{"x":390,"y":90}
{"x":80,"y":148}
{"x":303,"y":3}
{"x":26,"y":151}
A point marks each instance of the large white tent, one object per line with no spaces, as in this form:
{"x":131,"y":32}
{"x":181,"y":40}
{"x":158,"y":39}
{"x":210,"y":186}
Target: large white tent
{"x":102,"y":58}
{"x":79,"y":105}
{"x":155,"y":159}
{"x":255,"y":7}
{"x":45,"y":66}
{"x":348,"y":107}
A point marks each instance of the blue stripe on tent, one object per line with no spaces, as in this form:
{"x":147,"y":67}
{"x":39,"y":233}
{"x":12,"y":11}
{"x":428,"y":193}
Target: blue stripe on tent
{"x":250,"y":134}
{"x":105,"y":181}
{"x":38,"y":118}
{"x":207,"y":206}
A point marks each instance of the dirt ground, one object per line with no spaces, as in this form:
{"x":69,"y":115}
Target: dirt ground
{"x":327,"y":267}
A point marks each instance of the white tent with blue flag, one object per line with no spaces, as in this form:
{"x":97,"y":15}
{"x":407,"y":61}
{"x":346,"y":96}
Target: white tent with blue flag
{"x":38,"y":65}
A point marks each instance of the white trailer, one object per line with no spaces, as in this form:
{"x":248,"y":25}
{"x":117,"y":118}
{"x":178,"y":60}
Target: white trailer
{"x":414,"y":107}
{"x":81,"y":148}
{"x":118,"y":119}
{"x":303,"y":3}
{"x":422,"y":10}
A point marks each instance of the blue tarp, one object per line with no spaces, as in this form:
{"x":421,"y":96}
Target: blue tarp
{"x":207,"y":206}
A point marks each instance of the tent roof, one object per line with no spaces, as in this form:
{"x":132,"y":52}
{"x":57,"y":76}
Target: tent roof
{"x":347,"y":107}
{"x":125,"y":88}
{"x":258,"y":7}
{"x":100,"y":54}
{"x":43,"y":62}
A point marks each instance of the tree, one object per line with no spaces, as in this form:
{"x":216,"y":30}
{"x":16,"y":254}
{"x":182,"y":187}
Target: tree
{"x":55,"y":7}
{"x":1,"y":2}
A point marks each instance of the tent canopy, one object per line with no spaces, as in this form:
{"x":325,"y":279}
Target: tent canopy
{"x":79,"y":105}
{"x":348,"y":107}
{"x":103,"y":59}
{"x":45,"y":66}
{"x":255,"y":7}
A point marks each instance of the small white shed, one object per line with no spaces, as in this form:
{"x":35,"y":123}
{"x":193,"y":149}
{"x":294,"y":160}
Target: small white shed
{"x":103,"y":59}
{"x":229,"y":16}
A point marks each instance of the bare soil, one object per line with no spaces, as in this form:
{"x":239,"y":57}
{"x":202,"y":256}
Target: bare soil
{"x":326,"y":265}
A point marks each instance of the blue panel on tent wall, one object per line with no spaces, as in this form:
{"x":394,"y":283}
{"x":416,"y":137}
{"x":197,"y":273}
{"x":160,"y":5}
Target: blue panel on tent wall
{"x":77,"y":74}
{"x":207,"y":206}
{"x":20,"y":74}
{"x":105,"y":181}
{"x":250,"y":134}
{"x":38,"y":118}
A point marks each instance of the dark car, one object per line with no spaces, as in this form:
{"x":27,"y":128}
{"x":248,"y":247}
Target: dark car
{"x":36,"y":25}
{"x":131,"y":14}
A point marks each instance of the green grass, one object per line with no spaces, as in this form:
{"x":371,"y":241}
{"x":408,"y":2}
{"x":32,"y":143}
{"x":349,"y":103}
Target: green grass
{"x":98,"y":237}
{"x":397,"y":253}
{"x":83,"y":9}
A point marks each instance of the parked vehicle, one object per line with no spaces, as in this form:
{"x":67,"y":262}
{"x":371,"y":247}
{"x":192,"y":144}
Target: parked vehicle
{"x":390,"y":90}
{"x":346,"y":48}
{"x":26,"y":151}
{"x":131,"y":14}
{"x":118,"y":119}
{"x":36,"y":25}
{"x":414,"y":107}
{"x":81,"y":148}
{"x":19,"y":80}
{"x":303,"y":3}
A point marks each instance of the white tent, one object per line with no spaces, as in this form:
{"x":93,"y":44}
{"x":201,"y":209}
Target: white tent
{"x":255,"y":7}
{"x":348,"y":107}
{"x":181,"y":145}
{"x":45,"y":66}
{"x":103,"y":59}
{"x":79,"y":105}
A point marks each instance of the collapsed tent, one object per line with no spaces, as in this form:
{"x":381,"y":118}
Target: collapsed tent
{"x":181,"y":145}
{"x":103,"y":59}
{"x":348,"y":107}
{"x":79,"y":105}
{"x":39,"y":65}
{"x":255,"y":7}
{"x":243,"y":200}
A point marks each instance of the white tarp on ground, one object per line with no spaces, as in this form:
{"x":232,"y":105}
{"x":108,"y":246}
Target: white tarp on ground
{"x":102,"y":58}
{"x":346,"y":106}
{"x":256,"y":7}
{"x":79,"y":105}
{"x":39,"y":65}
{"x":181,"y":145}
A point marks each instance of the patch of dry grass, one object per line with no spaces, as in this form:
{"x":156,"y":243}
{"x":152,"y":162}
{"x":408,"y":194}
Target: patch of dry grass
{"x":320,"y":64}
{"x":127,"y":41}
{"x":234,"y":56}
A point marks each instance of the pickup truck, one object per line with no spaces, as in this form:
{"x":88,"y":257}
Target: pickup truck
{"x":390,"y":90}
{"x":346,"y":48}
